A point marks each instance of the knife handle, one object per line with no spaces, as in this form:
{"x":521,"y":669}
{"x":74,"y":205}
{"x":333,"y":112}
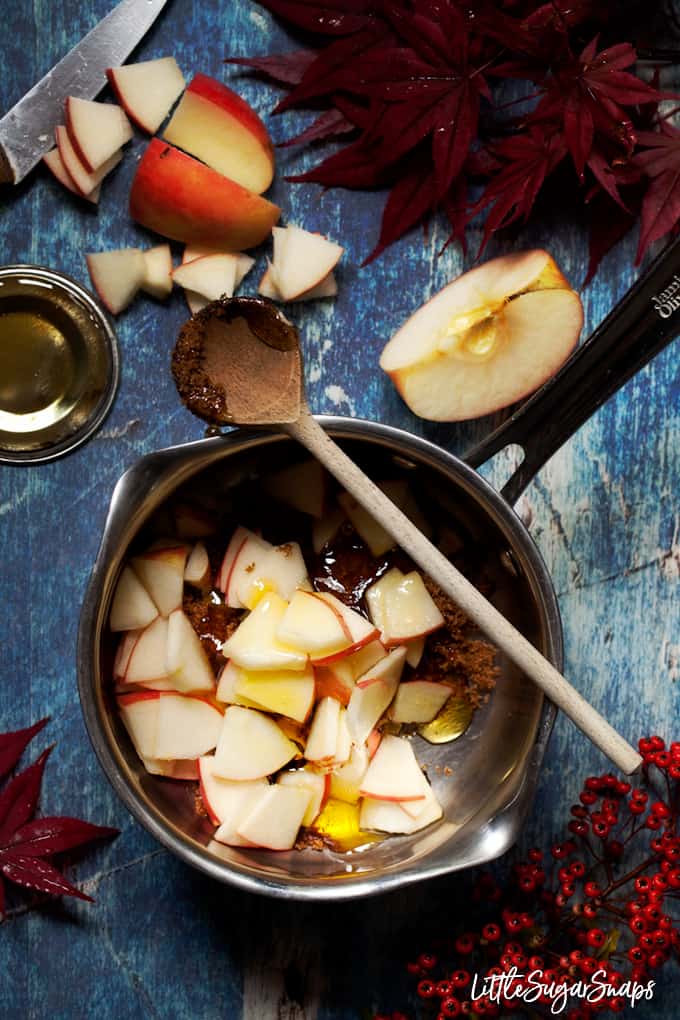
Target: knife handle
{"x":6,"y":172}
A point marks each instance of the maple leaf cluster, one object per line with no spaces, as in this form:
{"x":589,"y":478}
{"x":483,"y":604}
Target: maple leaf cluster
{"x":412,"y":89}
{"x":27,"y":844}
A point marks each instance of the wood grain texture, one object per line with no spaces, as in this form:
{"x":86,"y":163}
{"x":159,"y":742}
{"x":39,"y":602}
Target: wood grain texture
{"x":163,"y":941}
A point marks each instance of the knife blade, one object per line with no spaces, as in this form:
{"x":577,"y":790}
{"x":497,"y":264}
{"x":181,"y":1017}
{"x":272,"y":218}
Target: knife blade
{"x":27,"y":131}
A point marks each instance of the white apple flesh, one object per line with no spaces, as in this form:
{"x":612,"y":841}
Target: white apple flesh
{"x":284,"y":693}
{"x":97,"y":130}
{"x":318,"y":786}
{"x":147,"y":90}
{"x":394,"y":772}
{"x":188,"y":726}
{"x":132,"y":607}
{"x":157,"y":271}
{"x":409,"y":611}
{"x":197,"y":569}
{"x":212,"y":276}
{"x":255,"y":643}
{"x":275,"y":819}
{"x":116,"y":276}
{"x":373,"y":693}
{"x":250,"y":745}
{"x":418,"y":701}
{"x":187,"y":662}
{"x":54,"y":162}
{"x":161,"y":571}
{"x":322,"y":741}
{"x":222,"y":796}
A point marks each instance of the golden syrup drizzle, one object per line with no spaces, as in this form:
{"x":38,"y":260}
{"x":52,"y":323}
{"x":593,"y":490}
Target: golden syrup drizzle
{"x":339,"y":820}
{"x":450,"y":723}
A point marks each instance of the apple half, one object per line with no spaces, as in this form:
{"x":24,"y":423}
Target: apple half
{"x":487,"y":339}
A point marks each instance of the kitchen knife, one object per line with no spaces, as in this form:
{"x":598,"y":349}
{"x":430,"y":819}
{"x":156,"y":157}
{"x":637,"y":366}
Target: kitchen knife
{"x":27,"y":131}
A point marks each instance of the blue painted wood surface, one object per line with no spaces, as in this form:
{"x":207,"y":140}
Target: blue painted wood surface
{"x":162,"y":941}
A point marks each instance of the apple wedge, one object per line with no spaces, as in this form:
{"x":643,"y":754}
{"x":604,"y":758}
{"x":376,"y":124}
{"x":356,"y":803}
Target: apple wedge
{"x":147,"y":90}
{"x":147,"y":661}
{"x":288,"y":693}
{"x":241,"y":559}
{"x":418,"y":701}
{"x":185,"y":769}
{"x":187,"y":663}
{"x":281,"y":568}
{"x":226,"y":687}
{"x":343,"y":747}
{"x":365,"y":658}
{"x":86,"y":181}
{"x":312,"y":625}
{"x":302,"y":260}
{"x":221,"y":796}
{"x":318,"y":786}
{"x":140,"y":711}
{"x":302,"y":486}
{"x":322,"y":741}
{"x":161,"y":571}
{"x":386,"y":816}
{"x":214,"y":124}
{"x":54,"y":162}
{"x":250,"y":745}
{"x":157,"y":271}
{"x":244,"y":263}
{"x":124,"y":650}
{"x":373,"y":693}
{"x":360,"y":631}
{"x":409,"y":611}
{"x":188,"y":726}
{"x":132,"y":607}
{"x":334,"y":681}
{"x":185,"y":200}
{"x":326,"y":529}
{"x":276,"y":818}
{"x":481,"y":343}
{"x":375,"y":596}
{"x":369,"y":530}
{"x":235,"y":805}
{"x":116,"y":276}
{"x":212,"y":276}
{"x":256,"y":643}
{"x":97,"y":130}
{"x":197,"y":569}
{"x":328,"y":287}
{"x":345,"y":782}
{"x":394,"y":772}
{"x":414,"y":652}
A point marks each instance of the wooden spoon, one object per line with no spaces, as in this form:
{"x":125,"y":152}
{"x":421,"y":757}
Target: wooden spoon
{"x":238,"y":362}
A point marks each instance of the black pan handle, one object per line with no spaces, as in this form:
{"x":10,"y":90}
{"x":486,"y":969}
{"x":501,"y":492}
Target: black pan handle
{"x":644,"y":321}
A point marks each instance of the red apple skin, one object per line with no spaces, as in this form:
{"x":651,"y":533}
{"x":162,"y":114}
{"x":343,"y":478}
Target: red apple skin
{"x":327,"y":685}
{"x":373,"y":743}
{"x":393,"y":800}
{"x":344,"y":652}
{"x":204,"y":797}
{"x":216,"y":92}
{"x":129,"y":699}
{"x":68,"y":117}
{"x":182,"y":199}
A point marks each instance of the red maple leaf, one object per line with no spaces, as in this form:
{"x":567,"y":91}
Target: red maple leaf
{"x":26,"y":844}
{"x":660,"y":163}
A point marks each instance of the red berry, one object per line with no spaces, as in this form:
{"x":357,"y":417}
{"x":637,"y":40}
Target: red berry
{"x":655,"y":959}
{"x":558,"y":851}
{"x":491,"y":932}
{"x":427,"y":961}
{"x":450,"y":1007}
{"x":460,"y":978}
{"x":662,"y":760}
{"x":444,"y":989}
{"x":535,"y":855}
{"x":465,"y":944}
{"x":638,"y":925}
{"x":635,"y":955}
{"x":658,"y":743}
{"x":427,"y":989}
{"x":596,"y":938}
{"x":592,"y":890}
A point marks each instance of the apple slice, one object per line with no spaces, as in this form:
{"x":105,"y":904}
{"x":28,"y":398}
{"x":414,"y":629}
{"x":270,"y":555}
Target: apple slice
{"x":386,"y":816}
{"x":326,"y":529}
{"x":334,"y":681}
{"x":267,"y":286}
{"x":359,"y":630}
{"x":147,"y":90}
{"x":312,"y":625}
{"x":140,"y":712}
{"x":418,"y":701}
{"x":373,"y":743}
{"x":276,"y":818}
{"x":116,"y":276}
{"x":345,"y":782}
{"x":250,"y":745}
{"x":226,"y":687}
{"x":54,"y":162}
{"x":241,"y":559}
{"x":410,"y":611}
{"x":304,"y":260}
{"x":480,"y":344}
{"x":221,"y":796}
{"x":322,"y":741}
{"x":188,"y":726}
{"x":414,"y":652}
{"x":185,"y":200}
{"x":373,"y":534}
{"x":343,"y":747}
{"x":281,"y":569}
{"x":97,"y":130}
{"x":85,"y":181}
{"x":157,"y":271}
{"x":364,"y":658}
{"x":197,"y":569}
{"x":124,"y":650}
{"x":256,"y":644}
{"x":147,"y":661}
{"x":213,"y":123}
{"x":212,"y":276}
{"x":161,"y":571}
{"x":373,"y":693}
{"x":187,"y":662}
{"x":196,"y":301}
{"x":236,"y":801}
{"x":132,"y":607}
{"x":328,"y":287}
{"x":302,"y":486}
{"x":375,"y":596}
{"x":318,"y":786}
{"x":394,"y":772}
{"x":290,"y":694}
{"x":185,"y":769}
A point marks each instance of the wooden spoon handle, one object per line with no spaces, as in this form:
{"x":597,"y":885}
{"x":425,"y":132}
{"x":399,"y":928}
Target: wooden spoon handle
{"x":501,"y":632}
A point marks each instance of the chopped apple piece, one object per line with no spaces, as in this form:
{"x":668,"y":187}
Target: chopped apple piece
{"x":275,"y":819}
{"x":346,"y":780}
{"x":302,"y":486}
{"x":325,"y":529}
{"x":188,"y":664}
{"x":364,"y":658}
{"x":139,"y":711}
{"x":157,"y":271}
{"x":185,"y":769}
{"x":328,"y":287}
{"x":226,"y":688}
{"x":343,"y":747}
{"x":373,"y":534}
{"x":317,"y":785}
{"x":375,"y":596}
{"x":312,"y":625}
{"x":244,"y":553}
{"x":85,"y":181}
{"x":147,"y":661}
{"x":116,"y":276}
{"x":161,"y":571}
{"x":334,"y":681}
{"x":290,"y":694}
{"x":414,"y":652}
{"x":418,"y":701}
{"x":188,"y":726}
{"x":394,"y":772}
{"x":480,"y":344}
{"x":281,"y":569}
{"x":256,"y":643}
{"x":410,"y":611}
{"x":267,"y":287}
{"x":250,"y":745}
{"x":197,"y":569}
{"x":387,"y":816}
{"x":97,"y":130}
{"x":147,"y":90}
{"x":214,"y":124}
{"x":237,"y":799}
{"x":304,"y":260}
{"x":373,"y":693}
{"x":218,"y":794}
{"x":196,"y":302}
{"x":360,"y":631}
{"x":322,"y":741}
{"x":124,"y":650}
{"x":212,"y":276}
{"x":132,"y":607}
{"x":54,"y":162}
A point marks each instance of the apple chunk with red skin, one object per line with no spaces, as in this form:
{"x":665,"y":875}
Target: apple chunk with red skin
{"x":214,"y":124}
{"x":250,"y":745}
{"x":147,"y":90}
{"x":486,"y":340}
{"x":185,"y":200}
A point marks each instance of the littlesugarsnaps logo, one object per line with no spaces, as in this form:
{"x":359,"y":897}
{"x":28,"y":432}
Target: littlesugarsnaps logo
{"x":532,"y":987}
{"x":668,"y":301}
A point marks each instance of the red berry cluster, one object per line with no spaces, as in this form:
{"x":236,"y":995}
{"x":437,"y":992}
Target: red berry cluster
{"x":600,"y":902}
